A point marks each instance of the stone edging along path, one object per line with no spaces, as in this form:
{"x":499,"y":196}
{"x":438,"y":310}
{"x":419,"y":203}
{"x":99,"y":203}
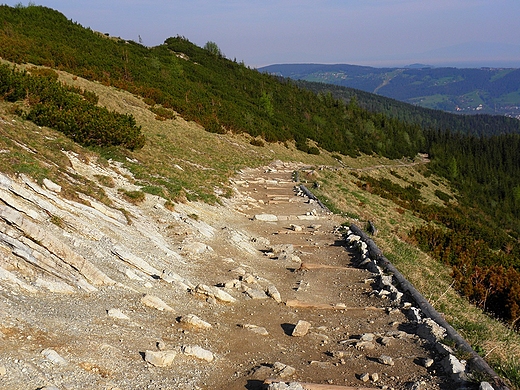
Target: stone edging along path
{"x":431,"y":324}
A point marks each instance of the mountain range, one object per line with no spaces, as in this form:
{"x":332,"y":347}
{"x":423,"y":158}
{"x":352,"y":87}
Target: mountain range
{"x":456,"y":90}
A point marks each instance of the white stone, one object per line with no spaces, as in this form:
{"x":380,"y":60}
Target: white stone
{"x":160,"y":358}
{"x":155,"y":302}
{"x":452,"y":365}
{"x":50,"y":185}
{"x":53,"y":356}
{"x":198,"y":352}
{"x":285,"y":386}
{"x":196,"y":248}
{"x":265,"y":218}
{"x":118,"y":314}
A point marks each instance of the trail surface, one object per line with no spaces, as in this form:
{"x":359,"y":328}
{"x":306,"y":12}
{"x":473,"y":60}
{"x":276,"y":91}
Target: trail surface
{"x":202,"y":297}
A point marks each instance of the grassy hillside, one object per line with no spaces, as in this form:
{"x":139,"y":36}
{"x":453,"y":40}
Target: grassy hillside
{"x":469,"y":91}
{"x":198,"y":117}
{"x":181,"y":154}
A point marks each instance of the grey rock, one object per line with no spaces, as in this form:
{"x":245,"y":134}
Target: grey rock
{"x":285,"y":386}
{"x":273,"y":292}
{"x":428,"y":329}
{"x":255,"y":293}
{"x":256,"y":329}
{"x":485,"y":386}
{"x":454,"y":367}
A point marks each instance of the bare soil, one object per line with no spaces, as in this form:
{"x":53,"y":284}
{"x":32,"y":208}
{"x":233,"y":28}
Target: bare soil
{"x":310,"y":265}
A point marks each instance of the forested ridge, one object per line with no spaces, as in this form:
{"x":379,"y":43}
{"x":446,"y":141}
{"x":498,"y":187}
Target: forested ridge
{"x":479,"y":124}
{"x":479,"y":155}
{"x":457,"y":90}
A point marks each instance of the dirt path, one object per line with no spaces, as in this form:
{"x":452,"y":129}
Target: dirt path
{"x":264,"y":237}
{"x":325,"y":277}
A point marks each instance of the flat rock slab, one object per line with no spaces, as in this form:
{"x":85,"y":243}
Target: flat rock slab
{"x":265,"y":218}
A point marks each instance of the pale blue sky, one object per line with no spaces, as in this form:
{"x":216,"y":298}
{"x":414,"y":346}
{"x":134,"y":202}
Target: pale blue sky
{"x":362,"y":32}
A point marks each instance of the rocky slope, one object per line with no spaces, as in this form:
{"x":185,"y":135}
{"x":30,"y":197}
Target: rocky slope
{"x":200,"y":297}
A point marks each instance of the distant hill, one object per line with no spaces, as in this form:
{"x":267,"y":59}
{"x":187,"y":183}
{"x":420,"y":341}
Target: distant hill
{"x":468,"y":91}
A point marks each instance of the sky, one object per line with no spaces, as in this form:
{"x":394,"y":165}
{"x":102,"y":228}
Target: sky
{"x":472,"y":33}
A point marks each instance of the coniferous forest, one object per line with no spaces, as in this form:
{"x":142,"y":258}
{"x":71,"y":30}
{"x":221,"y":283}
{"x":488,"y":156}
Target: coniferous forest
{"x":479,"y":155}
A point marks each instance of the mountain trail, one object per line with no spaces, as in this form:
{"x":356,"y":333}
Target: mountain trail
{"x":259,"y":289}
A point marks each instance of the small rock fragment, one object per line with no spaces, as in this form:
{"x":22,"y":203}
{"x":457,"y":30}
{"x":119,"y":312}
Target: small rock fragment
{"x":198,"y":352}
{"x":374,"y":377}
{"x":160,"y":358}
{"x":485,"y":386}
{"x":385,"y":341}
{"x":256,"y":329}
{"x":214,"y":292}
{"x":116,"y":313}
{"x":301,"y":328}
{"x":255,"y":293}
{"x":285,"y":386}
{"x":194,"y":321}
{"x":3,"y":370}
{"x":273,"y":292}
{"x":53,"y":356}
{"x":283,"y":370}
{"x":50,"y":185}
{"x":155,"y":302}
{"x":386,"y":360}
{"x":365,"y":345}
{"x":367,"y":337}
{"x":428,"y":362}
{"x":364,"y":377}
